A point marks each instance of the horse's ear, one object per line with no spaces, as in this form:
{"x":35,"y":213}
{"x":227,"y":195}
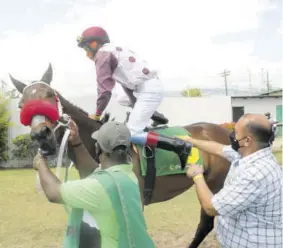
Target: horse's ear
{"x":18,"y":84}
{"x":48,"y":75}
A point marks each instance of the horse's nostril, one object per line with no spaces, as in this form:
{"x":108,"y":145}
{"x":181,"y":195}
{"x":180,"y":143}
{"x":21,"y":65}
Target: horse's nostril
{"x":45,"y":131}
{"x":42,"y":134}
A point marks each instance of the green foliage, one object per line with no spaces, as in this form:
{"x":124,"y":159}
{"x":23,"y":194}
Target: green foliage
{"x":191,"y":92}
{"x":4,"y":125}
{"x":24,"y":147}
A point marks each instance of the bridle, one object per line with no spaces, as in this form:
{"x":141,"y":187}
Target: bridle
{"x":63,"y":121}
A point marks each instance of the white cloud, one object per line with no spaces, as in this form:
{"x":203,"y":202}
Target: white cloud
{"x":175,"y":36}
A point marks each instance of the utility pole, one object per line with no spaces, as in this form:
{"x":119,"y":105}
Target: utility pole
{"x":262,"y":76}
{"x":224,"y":74}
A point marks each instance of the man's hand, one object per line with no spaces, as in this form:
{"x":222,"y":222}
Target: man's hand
{"x":95,"y":117}
{"x":74,"y":137}
{"x":37,"y":160}
{"x":194,"y":170}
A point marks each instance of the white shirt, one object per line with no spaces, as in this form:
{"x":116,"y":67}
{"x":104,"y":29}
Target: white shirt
{"x":131,"y":69}
{"x":249,"y":205}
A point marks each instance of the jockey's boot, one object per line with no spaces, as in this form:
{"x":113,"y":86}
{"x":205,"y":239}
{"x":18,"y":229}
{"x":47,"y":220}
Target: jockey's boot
{"x":159,"y":119}
{"x":179,"y":146}
{"x":173,"y":144}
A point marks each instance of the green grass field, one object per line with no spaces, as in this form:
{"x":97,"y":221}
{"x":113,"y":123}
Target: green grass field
{"x":28,"y":220}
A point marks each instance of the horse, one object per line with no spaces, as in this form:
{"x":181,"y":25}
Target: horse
{"x":166,"y":187}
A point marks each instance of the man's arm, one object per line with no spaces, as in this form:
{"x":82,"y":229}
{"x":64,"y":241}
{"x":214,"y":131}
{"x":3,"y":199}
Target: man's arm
{"x":85,"y":164}
{"x":105,"y":64}
{"x":49,"y":182}
{"x":211,"y":147}
{"x":204,"y":195}
{"x":85,"y":193}
{"x":232,"y":199}
{"x":214,"y":148}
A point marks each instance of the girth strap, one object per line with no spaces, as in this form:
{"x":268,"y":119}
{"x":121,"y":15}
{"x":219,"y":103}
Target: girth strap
{"x":150,"y":176}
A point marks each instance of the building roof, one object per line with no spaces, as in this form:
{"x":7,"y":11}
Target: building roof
{"x":272,"y":92}
{"x":258,"y":96}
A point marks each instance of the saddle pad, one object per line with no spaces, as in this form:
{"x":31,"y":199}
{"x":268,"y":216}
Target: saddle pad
{"x":166,"y":162}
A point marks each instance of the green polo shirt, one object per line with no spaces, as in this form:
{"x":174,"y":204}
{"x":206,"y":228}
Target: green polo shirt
{"x":90,"y":195}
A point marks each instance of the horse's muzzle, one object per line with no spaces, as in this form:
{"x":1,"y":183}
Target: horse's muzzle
{"x":46,"y":140}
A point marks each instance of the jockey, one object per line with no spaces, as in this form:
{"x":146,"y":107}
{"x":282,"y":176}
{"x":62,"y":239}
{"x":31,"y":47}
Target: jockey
{"x":140,"y":83}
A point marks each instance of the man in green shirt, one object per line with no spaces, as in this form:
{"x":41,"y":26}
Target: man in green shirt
{"x":111,"y":195}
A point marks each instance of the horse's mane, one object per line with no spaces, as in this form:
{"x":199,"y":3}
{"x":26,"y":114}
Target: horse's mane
{"x":62,"y":99}
{"x":70,"y":104}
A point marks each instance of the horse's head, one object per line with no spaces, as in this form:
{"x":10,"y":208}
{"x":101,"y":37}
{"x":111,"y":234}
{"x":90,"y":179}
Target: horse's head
{"x":40,"y":89}
{"x":41,"y":110}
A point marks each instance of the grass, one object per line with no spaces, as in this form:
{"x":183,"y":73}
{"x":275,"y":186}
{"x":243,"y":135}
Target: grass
{"x":28,"y":220}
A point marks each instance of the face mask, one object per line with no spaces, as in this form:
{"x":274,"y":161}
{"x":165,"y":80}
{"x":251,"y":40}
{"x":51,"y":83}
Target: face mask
{"x":234,"y":142}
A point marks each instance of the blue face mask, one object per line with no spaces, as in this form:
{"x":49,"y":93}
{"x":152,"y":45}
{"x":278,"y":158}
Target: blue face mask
{"x":234,"y":142}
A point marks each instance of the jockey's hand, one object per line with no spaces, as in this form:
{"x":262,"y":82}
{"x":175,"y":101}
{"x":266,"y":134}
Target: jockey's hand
{"x":95,"y":117}
{"x":194,"y":170}
{"x":74,"y":137}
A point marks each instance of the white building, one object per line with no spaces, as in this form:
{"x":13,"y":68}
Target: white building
{"x":179,"y":110}
{"x":256,"y":104}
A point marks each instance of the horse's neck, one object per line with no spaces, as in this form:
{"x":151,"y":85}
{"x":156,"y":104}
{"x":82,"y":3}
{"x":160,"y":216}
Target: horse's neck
{"x":85,"y":125}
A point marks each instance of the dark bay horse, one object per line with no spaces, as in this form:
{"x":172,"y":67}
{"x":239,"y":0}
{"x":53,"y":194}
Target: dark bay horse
{"x":166,"y":187}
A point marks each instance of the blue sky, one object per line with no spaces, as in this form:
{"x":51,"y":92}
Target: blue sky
{"x":190,"y":42}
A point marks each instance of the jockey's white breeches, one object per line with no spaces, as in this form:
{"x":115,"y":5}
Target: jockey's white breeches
{"x":149,"y":97}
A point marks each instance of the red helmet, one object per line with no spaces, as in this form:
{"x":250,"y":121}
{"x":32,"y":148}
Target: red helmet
{"x":97,"y":34}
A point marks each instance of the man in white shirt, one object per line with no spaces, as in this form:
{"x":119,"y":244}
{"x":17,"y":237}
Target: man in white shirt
{"x":249,"y":206}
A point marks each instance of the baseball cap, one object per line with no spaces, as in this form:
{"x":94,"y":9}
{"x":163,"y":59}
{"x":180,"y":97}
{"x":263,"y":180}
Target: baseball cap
{"x":111,"y":135}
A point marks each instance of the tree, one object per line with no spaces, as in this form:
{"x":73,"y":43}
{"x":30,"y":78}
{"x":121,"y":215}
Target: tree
{"x":191,"y":92}
{"x":4,"y":125}
{"x":24,"y":147}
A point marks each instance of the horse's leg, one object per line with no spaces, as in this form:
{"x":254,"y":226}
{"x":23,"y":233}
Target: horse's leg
{"x":205,"y":226}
